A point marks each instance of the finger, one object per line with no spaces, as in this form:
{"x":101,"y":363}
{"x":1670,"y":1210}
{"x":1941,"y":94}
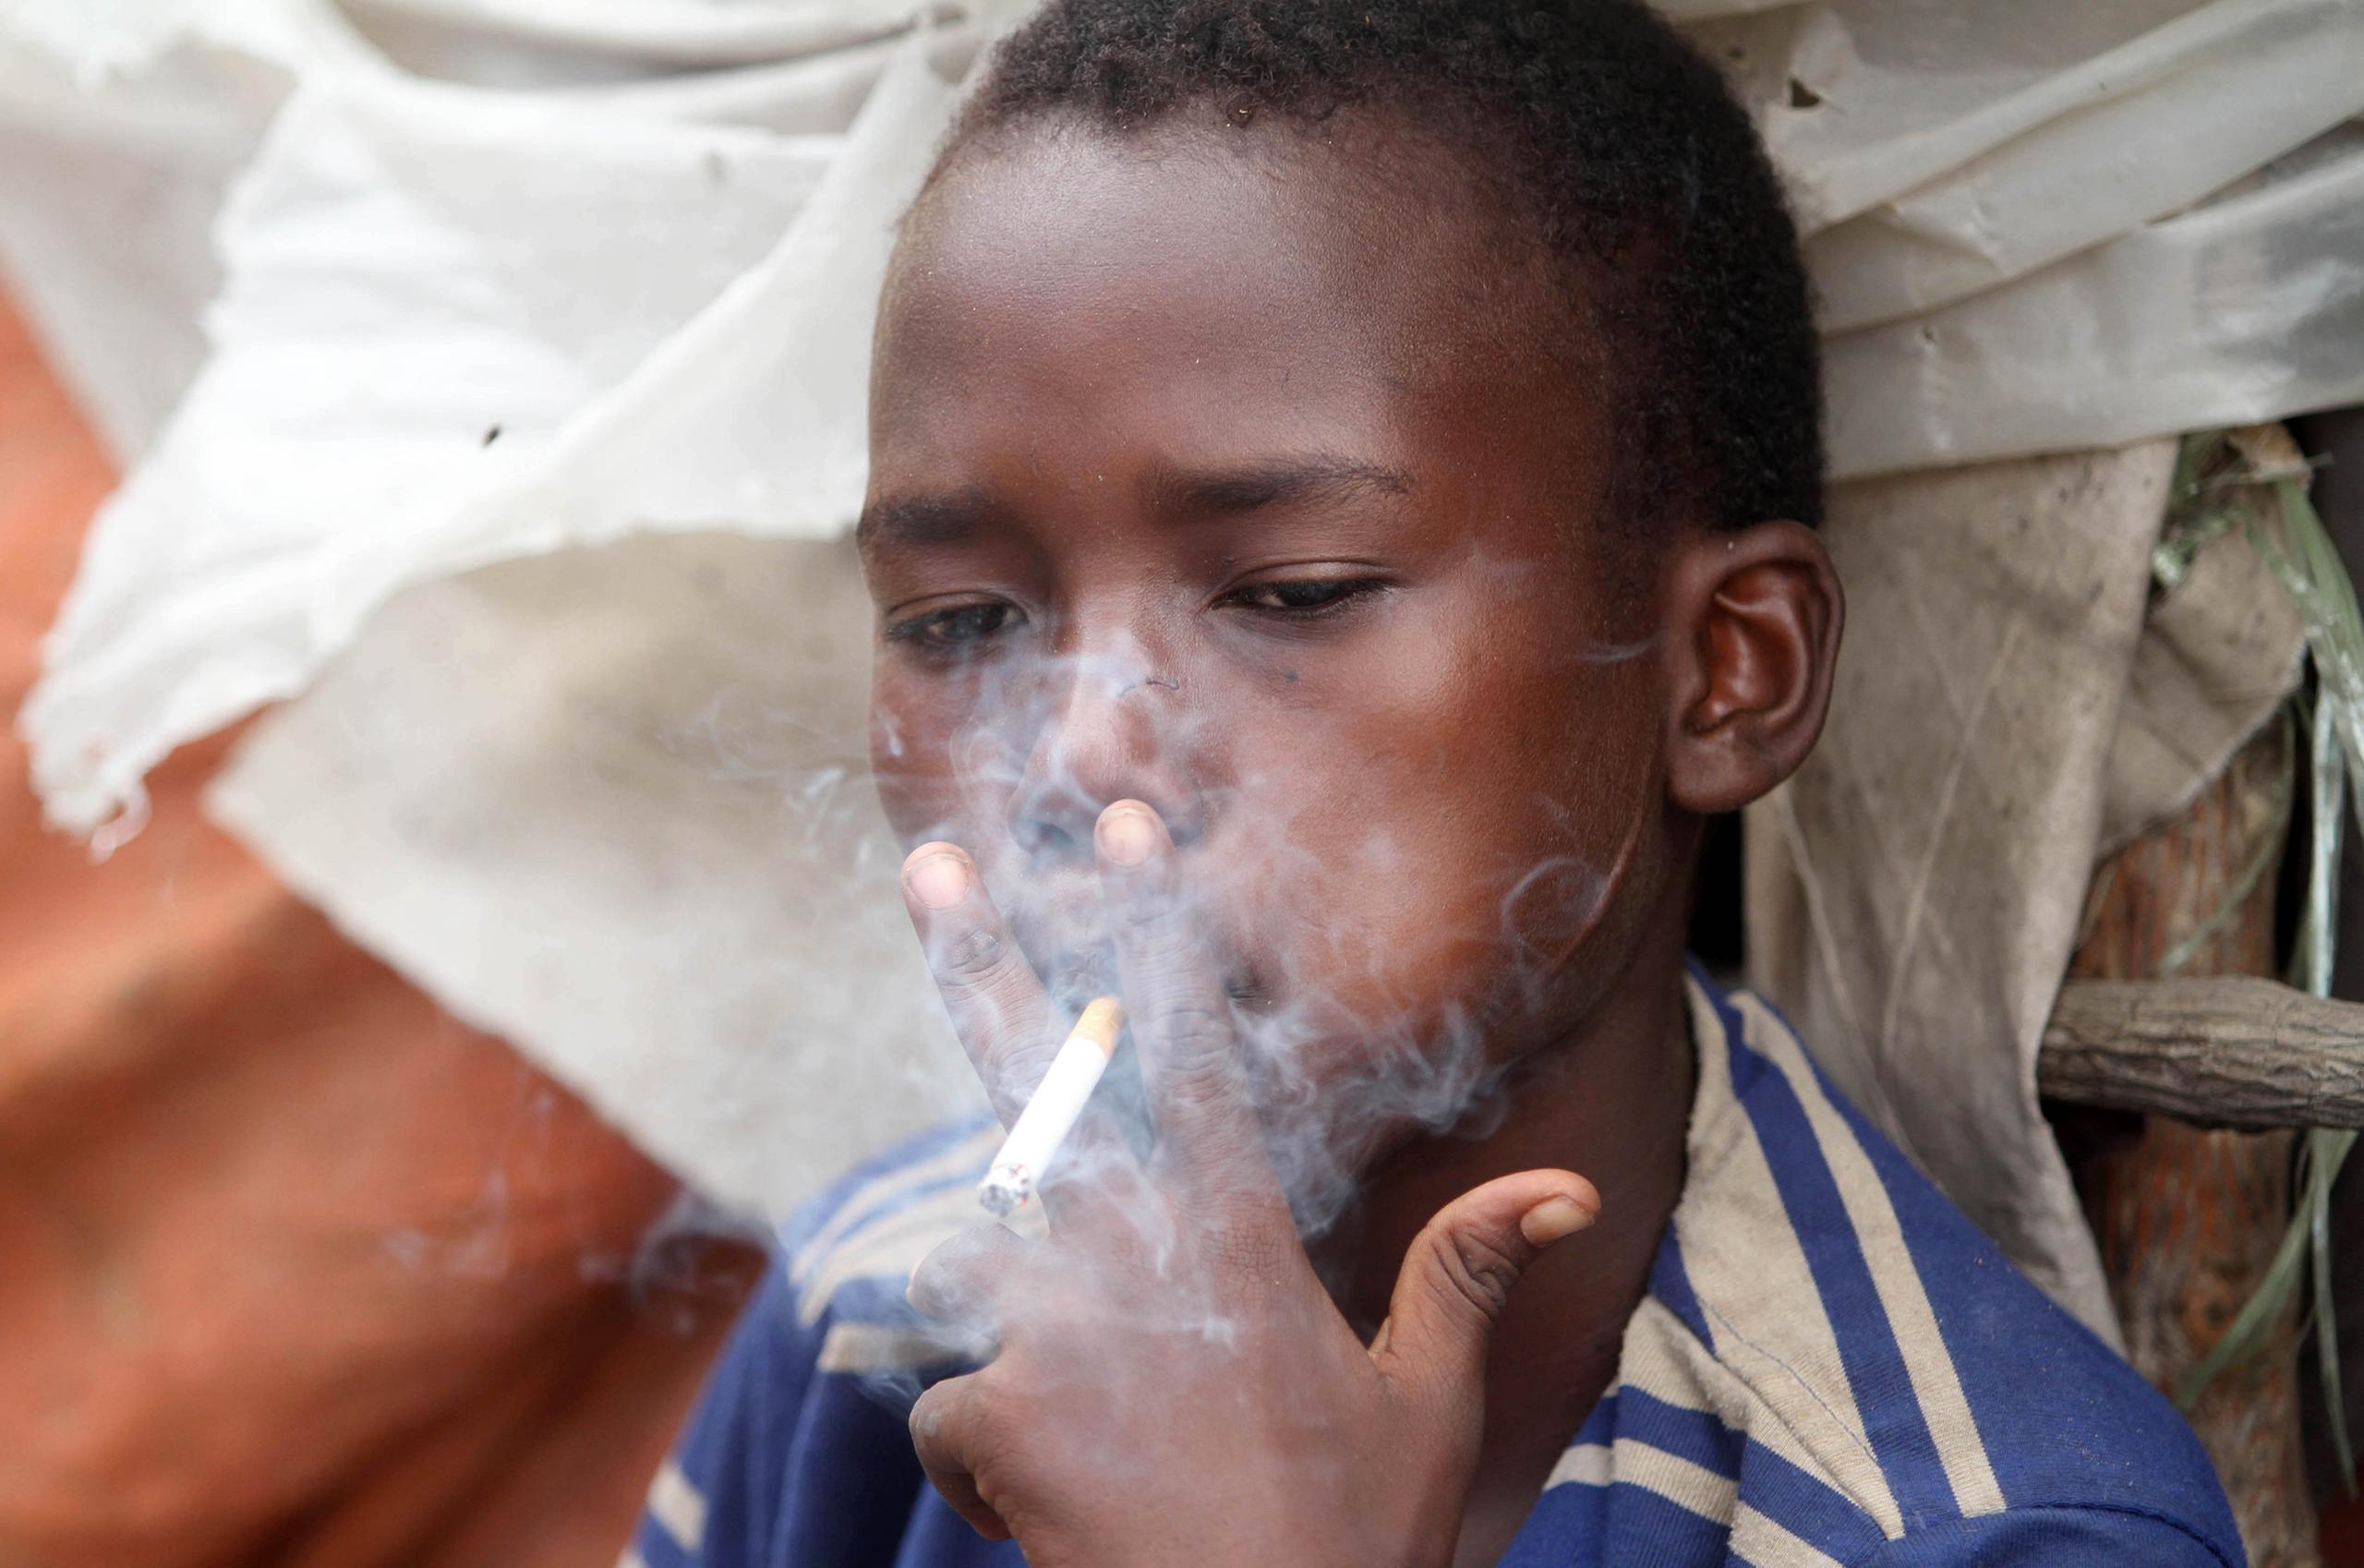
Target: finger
{"x":1181,"y":1014}
{"x":969,"y":1278}
{"x":1004,"y":1017}
{"x":1460,"y":1271}
{"x":942,"y":1424}
{"x":1005,"y":1020}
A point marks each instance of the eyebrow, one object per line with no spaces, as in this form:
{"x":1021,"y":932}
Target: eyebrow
{"x":1278,"y":481}
{"x":919,"y":522}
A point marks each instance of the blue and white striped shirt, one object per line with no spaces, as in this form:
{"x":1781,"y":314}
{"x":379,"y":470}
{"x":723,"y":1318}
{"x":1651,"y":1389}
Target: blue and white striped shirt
{"x":1831,"y":1366}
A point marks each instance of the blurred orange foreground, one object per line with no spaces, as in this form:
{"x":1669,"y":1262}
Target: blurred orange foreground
{"x":297,"y":1270}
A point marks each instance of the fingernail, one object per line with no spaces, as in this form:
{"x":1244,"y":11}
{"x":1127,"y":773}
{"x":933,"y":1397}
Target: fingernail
{"x":1126,"y":835}
{"x":1553,"y":1218}
{"x":940,"y":881}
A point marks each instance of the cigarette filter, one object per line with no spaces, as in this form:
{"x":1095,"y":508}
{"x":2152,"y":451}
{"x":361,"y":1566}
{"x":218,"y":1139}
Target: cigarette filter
{"x":1050,"y":1116}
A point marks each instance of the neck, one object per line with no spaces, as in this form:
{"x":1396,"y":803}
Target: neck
{"x":1610,"y":1098}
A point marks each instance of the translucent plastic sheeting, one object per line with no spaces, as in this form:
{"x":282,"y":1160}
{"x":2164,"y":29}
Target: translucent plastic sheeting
{"x":459,"y":328}
{"x":2045,"y":168}
{"x":108,"y":195}
{"x":2008,"y":218}
{"x":502,"y":281}
{"x":555,"y":39}
{"x":99,"y":38}
{"x":2156,"y":331}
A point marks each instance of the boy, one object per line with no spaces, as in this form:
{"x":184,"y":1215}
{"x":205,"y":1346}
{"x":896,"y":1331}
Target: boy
{"x":1343,"y":478}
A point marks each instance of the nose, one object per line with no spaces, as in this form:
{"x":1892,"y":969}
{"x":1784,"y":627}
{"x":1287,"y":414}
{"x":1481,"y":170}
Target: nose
{"x":1116,"y":729}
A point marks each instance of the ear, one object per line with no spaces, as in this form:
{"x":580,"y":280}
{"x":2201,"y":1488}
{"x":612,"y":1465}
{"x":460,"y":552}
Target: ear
{"x":1753,"y":617}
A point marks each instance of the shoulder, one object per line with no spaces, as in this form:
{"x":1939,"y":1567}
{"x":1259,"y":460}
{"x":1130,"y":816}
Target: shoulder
{"x":1860,"y":1370}
{"x":797,"y":1444}
{"x":846,"y":1256}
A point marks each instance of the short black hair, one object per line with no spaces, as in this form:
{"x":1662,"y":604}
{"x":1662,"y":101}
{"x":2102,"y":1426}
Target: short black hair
{"x":1620,"y":148}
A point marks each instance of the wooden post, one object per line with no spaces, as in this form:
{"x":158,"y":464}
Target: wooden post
{"x":2228,"y":1051}
{"x":2188,"y":1219}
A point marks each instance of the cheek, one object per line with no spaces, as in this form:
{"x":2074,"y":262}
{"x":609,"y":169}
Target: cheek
{"x":938,"y":773}
{"x":1462,"y":876}
{"x":1399,"y":929}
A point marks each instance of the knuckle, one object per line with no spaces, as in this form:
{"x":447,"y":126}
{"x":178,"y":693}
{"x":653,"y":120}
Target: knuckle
{"x":1156,"y":937}
{"x":954,"y":1419}
{"x":974,"y":958}
{"x":933,"y":1415}
{"x":1152,"y":919}
{"x":1477,"y":1270}
{"x":1197,"y":1083}
{"x":966,"y":1265}
{"x":937,"y":1286}
{"x":1194,"y":1039}
{"x":968,"y":1422}
{"x":1014,"y":1073}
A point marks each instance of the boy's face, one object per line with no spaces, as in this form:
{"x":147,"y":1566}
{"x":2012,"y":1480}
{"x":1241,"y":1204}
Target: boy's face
{"x":1224,"y":472}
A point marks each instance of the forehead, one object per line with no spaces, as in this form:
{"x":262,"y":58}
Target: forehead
{"x":1324,"y":283}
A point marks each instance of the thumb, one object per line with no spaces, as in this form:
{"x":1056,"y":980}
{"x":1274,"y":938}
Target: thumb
{"x":1457,"y":1277}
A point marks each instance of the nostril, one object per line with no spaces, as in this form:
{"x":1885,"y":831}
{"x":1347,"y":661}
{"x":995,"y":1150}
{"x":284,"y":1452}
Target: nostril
{"x":1043,"y":839}
{"x":1052,"y":820}
{"x":1110,"y":738}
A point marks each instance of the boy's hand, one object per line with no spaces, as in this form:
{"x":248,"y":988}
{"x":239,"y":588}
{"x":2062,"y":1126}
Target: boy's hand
{"x":1174,"y":1386}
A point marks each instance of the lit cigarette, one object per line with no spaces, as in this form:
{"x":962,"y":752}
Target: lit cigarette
{"x":1051,"y":1114}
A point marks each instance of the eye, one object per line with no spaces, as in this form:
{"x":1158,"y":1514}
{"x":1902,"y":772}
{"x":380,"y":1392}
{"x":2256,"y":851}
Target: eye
{"x":1303,"y":597}
{"x":957,"y":630}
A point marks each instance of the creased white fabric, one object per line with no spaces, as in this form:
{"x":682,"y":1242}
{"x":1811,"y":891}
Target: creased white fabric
{"x":460,"y":329}
{"x":696,"y":923}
